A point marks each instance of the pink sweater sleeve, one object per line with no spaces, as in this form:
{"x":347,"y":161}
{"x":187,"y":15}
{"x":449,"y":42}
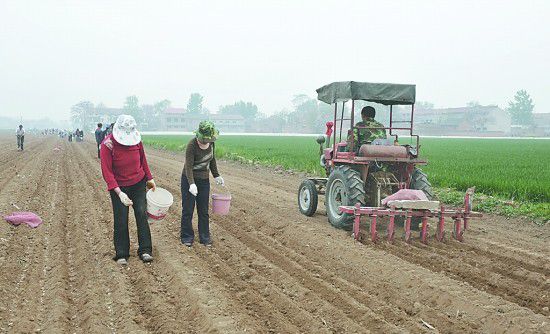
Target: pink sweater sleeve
{"x":107,"y":167}
{"x":144,"y":163}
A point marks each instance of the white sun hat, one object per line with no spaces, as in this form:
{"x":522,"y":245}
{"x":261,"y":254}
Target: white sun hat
{"x":125,"y":131}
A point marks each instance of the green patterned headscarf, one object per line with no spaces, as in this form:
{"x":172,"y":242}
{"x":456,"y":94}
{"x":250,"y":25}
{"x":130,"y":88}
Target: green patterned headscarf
{"x":207,"y":132}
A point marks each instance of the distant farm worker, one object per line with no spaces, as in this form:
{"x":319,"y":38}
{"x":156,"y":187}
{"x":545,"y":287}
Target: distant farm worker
{"x":366,"y":136}
{"x":20,"y":134}
{"x":127,"y":175}
{"x":99,"y":136}
{"x":195,"y":183}
{"x":108,"y":130}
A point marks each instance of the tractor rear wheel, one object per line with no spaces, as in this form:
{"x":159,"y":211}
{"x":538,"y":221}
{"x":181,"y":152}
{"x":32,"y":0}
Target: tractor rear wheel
{"x":344,"y":188}
{"x":419,"y":181}
{"x":307,"y":198}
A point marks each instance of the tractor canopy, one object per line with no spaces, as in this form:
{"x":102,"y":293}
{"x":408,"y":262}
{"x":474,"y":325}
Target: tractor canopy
{"x":384,"y":93}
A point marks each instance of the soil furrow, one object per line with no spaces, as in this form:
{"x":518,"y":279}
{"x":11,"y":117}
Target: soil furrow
{"x":519,"y":292}
{"x":286,"y":267}
{"x":93,"y":292}
{"x":271,"y":269}
{"x":41,"y":308}
{"x":14,"y":168}
{"x":454,"y":263}
{"x":33,"y":274}
{"x":278,"y":299}
{"x":245,"y":184}
{"x":242,"y":182}
{"x":11,"y":153}
{"x":285,"y":303}
{"x":518,"y":271}
{"x":393,"y":306}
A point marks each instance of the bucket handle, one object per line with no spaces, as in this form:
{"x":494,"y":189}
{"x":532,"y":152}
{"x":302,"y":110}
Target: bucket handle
{"x":223,"y":186}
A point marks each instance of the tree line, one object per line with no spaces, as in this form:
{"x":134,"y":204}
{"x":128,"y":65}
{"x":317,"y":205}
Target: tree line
{"x":306,"y":115}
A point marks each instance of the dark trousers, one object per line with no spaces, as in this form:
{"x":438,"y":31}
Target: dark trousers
{"x":121,"y":235}
{"x":188,"y":205}
{"x":20,"y":140}
{"x":98,"y":145}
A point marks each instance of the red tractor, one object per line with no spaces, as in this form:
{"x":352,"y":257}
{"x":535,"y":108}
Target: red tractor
{"x":358,"y":177}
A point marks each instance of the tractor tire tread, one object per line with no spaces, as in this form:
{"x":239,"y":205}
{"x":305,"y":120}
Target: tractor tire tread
{"x":419,"y":181}
{"x":356,"y":194}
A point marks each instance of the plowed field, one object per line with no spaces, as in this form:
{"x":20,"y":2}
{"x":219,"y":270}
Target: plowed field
{"x":271,"y":269}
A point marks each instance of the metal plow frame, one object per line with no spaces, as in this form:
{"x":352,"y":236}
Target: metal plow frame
{"x":457,"y":215}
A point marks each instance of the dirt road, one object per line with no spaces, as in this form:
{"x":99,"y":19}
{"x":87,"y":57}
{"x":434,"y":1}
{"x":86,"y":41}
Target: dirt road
{"x":270,"y":270}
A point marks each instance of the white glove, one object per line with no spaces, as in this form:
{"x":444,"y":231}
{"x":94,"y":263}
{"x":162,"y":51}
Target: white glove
{"x":125,"y":199}
{"x":109,"y":144}
{"x":219,"y":180}
{"x":193,"y":189}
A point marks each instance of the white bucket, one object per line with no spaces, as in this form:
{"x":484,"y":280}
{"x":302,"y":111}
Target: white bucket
{"x":158,"y":203}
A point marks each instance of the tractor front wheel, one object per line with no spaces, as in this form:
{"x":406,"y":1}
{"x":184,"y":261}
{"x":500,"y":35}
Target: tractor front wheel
{"x":307,"y":198}
{"x":344,"y":188}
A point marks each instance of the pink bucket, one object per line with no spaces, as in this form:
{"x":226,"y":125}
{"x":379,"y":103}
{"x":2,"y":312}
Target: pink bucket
{"x":221,"y":203}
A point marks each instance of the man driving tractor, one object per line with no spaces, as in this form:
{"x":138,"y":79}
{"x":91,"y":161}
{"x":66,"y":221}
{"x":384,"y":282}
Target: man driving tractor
{"x":363,"y":135}
{"x":357,"y":182}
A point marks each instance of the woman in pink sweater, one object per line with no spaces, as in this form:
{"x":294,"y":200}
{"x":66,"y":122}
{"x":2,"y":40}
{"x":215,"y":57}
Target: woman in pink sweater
{"x":126,"y":172}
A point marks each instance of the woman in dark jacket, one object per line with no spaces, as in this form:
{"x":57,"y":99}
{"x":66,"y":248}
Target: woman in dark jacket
{"x":195,"y":183}
{"x":127,"y":175}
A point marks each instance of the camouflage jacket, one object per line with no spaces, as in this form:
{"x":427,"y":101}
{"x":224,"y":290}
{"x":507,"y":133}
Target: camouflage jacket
{"x":364,"y":136}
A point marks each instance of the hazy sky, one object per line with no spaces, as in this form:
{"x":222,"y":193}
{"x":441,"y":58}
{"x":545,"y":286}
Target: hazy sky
{"x":56,"y":53}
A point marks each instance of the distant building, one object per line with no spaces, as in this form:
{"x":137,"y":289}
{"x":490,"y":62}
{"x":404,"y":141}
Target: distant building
{"x":177,"y":119}
{"x":541,"y":124}
{"x":466,"y":121}
{"x":105,"y":115}
{"x":172,"y":119}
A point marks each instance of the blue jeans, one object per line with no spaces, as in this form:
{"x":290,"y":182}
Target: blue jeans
{"x":188,"y":206}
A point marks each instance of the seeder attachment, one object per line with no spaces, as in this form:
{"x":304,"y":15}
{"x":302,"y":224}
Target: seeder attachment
{"x":417,"y":210}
